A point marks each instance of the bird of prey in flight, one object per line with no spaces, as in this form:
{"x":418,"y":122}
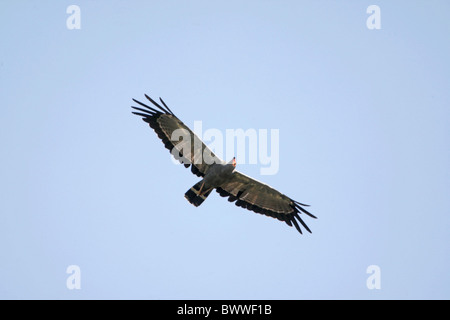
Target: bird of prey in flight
{"x":245,"y":191}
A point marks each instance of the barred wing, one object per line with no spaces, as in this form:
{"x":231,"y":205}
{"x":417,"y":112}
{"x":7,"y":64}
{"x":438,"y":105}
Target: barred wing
{"x":261,"y":198}
{"x":182,"y":143}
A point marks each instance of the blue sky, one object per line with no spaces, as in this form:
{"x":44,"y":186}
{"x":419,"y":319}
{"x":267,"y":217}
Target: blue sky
{"x":363,"y":117}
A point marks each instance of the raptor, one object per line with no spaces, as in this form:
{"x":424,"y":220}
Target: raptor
{"x":217,"y":174}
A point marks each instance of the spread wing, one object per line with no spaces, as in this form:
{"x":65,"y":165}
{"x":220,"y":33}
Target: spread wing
{"x":182,"y":143}
{"x":261,"y":198}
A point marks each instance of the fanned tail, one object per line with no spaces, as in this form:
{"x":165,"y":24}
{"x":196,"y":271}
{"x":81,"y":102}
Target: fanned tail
{"x":192,"y":195}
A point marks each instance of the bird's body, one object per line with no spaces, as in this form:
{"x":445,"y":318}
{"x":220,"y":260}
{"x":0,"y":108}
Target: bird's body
{"x":246,"y":192}
{"x":218,"y":174}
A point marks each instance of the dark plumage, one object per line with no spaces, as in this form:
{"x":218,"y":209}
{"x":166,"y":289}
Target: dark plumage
{"x":246,"y":192}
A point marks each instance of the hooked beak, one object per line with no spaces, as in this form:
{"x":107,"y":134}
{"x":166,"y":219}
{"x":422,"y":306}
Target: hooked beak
{"x":234,"y":162}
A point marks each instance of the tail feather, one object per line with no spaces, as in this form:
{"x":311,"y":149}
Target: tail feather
{"x":193,"y":197}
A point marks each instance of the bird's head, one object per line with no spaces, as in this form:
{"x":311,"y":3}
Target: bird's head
{"x":233,"y":162}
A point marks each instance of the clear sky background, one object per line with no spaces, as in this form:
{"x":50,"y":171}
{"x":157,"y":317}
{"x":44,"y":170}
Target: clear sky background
{"x":364,"y":122}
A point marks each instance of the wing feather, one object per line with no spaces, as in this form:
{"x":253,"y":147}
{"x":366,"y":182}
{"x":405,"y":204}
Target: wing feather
{"x":181,"y":141}
{"x":261,"y":198}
